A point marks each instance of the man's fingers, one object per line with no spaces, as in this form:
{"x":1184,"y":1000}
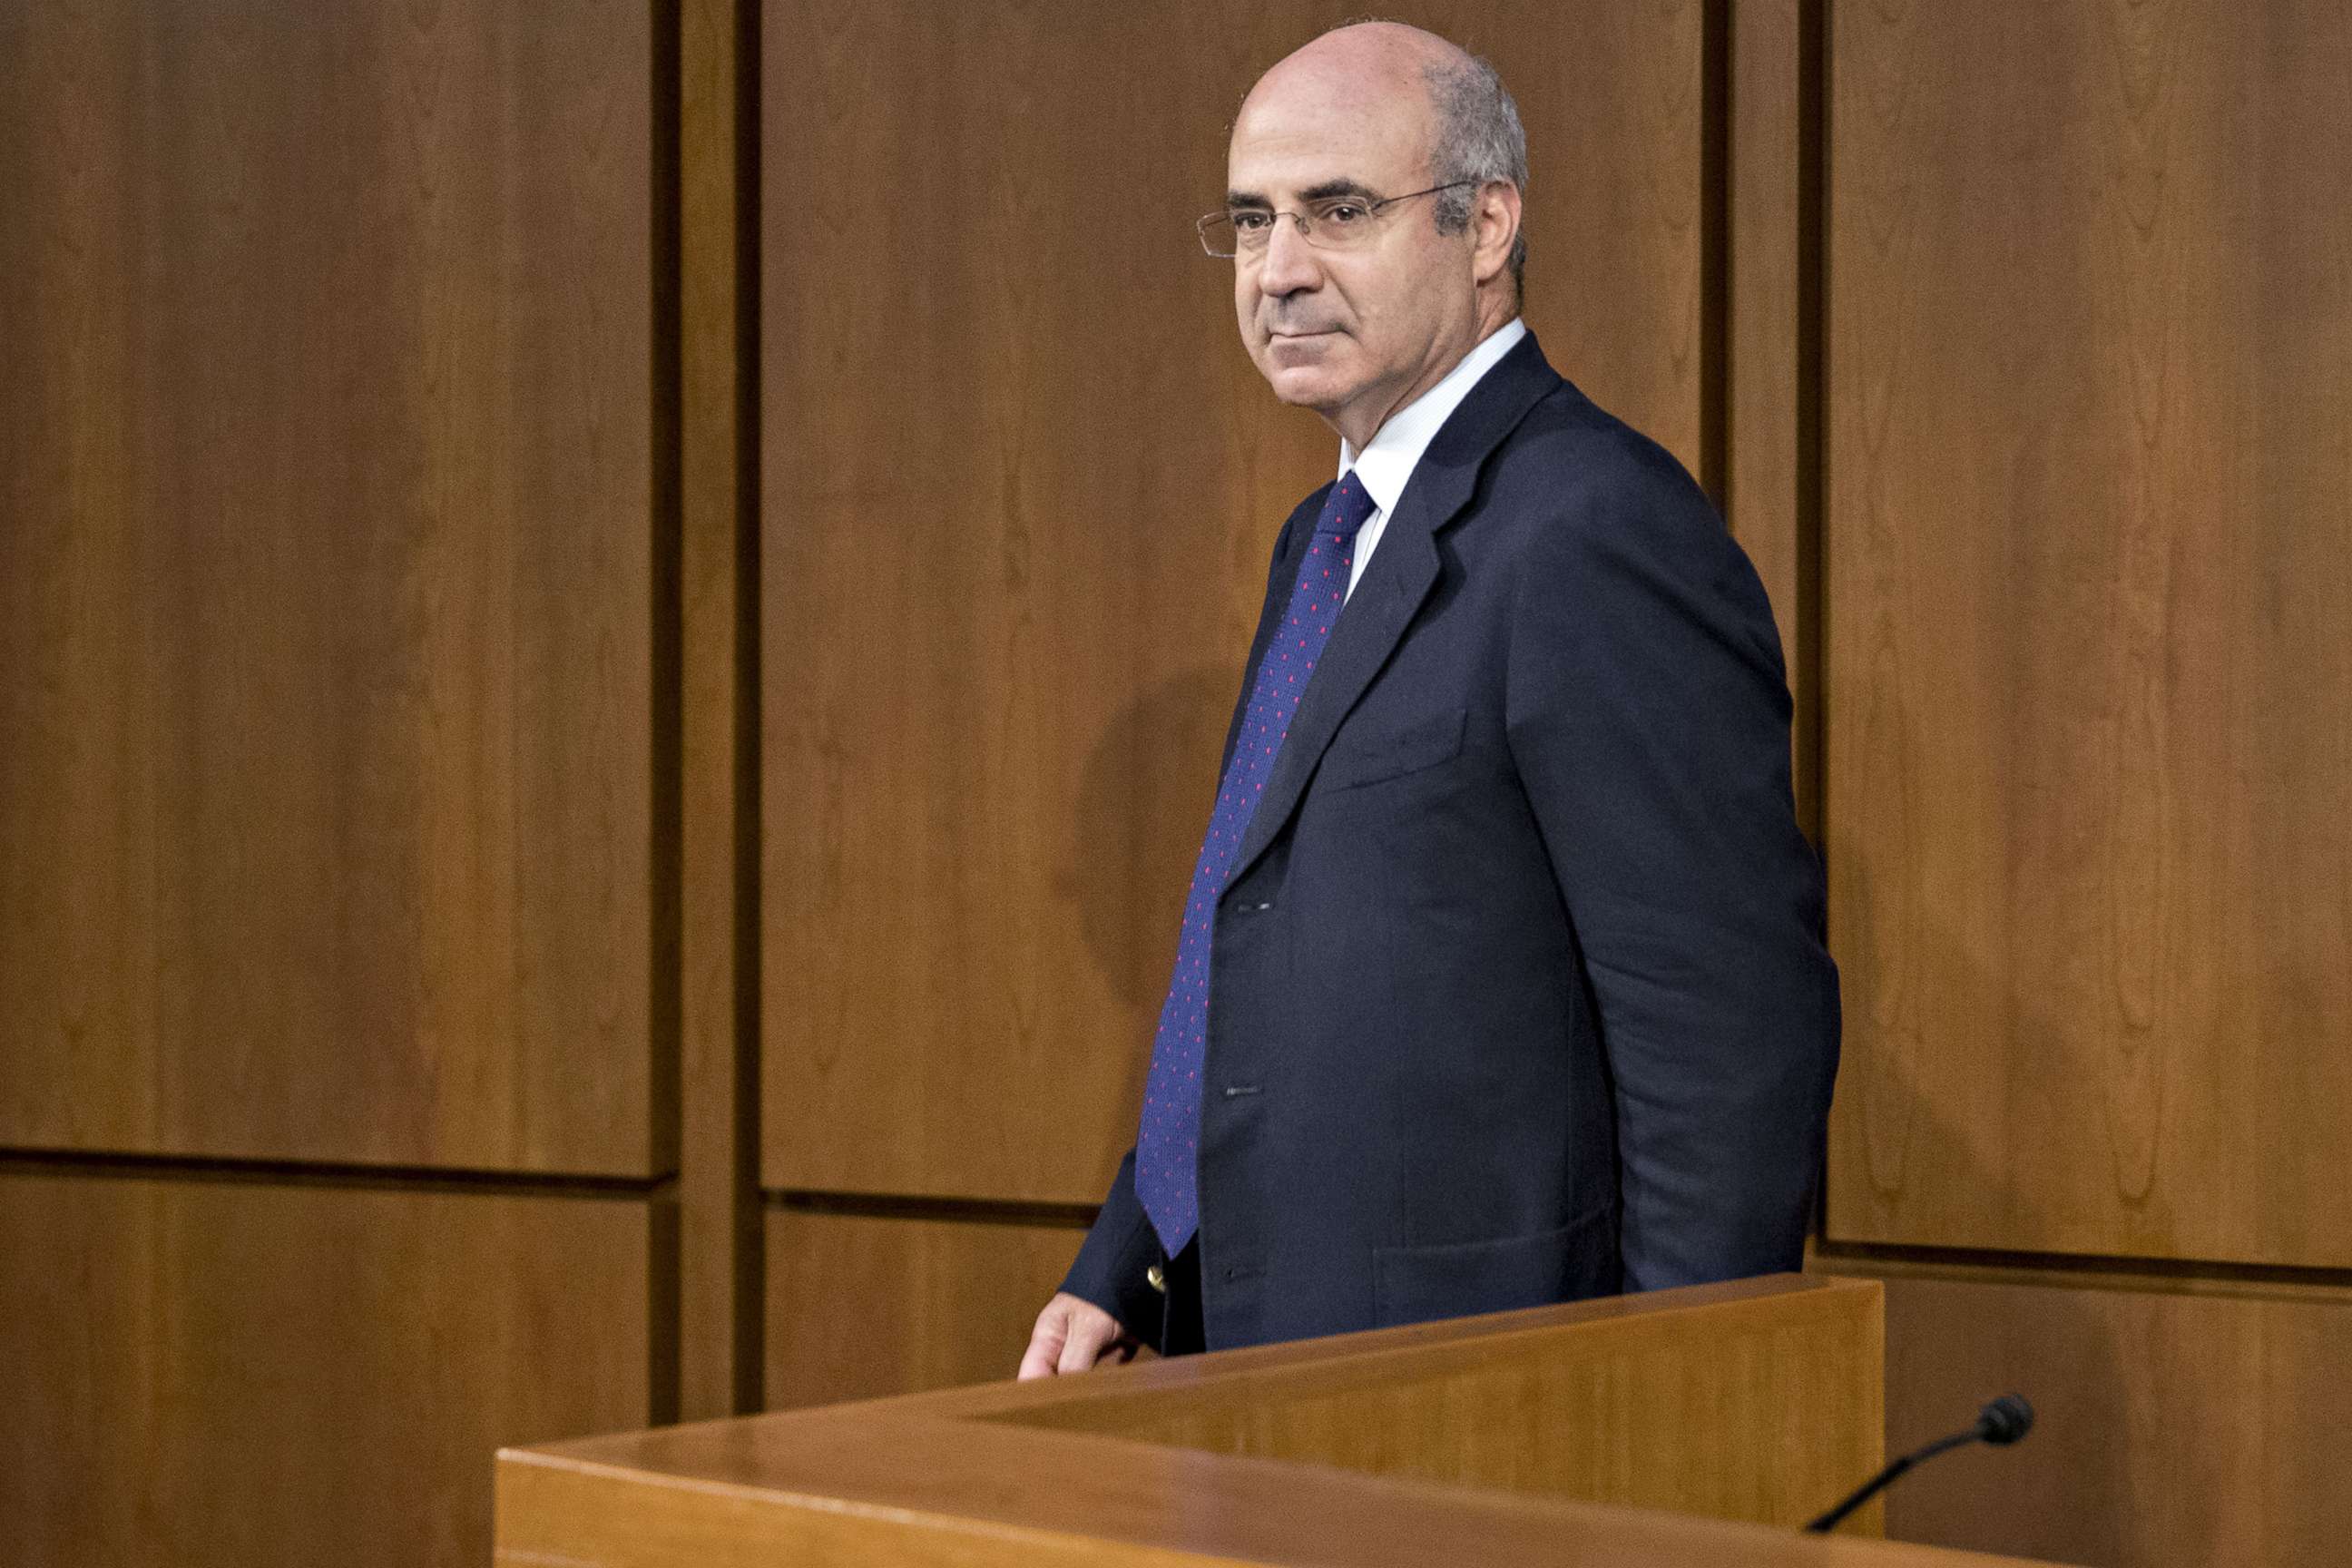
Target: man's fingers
{"x":1070,"y":1336}
{"x":1090,"y":1330}
{"x":1045,"y":1343}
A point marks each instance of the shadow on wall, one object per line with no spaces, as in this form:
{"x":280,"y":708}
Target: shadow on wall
{"x":1144,"y":796}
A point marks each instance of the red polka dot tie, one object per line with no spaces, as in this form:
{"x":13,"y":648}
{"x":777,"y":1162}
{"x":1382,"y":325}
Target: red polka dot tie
{"x":1167,"y":1143}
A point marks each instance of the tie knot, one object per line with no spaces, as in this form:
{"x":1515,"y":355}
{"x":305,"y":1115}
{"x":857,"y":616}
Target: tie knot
{"x":1346,"y":509}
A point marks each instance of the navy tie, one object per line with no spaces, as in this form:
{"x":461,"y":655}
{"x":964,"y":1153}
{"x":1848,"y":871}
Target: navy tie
{"x":1167,"y":1145}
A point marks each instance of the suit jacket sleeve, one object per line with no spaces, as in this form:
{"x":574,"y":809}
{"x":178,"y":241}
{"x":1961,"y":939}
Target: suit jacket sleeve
{"x":1109,"y":1271}
{"x":1648,"y":717}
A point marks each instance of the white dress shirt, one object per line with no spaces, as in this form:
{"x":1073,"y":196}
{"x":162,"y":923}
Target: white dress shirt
{"x":1385,"y":465}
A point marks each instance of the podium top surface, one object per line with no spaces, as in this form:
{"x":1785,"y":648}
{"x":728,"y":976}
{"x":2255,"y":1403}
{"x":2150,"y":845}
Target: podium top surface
{"x":1475,"y":1440}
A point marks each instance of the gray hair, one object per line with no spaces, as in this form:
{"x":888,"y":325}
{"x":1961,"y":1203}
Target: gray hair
{"x":1478,"y":139}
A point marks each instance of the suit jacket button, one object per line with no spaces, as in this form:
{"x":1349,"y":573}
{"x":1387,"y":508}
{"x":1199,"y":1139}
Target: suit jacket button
{"x":1156,"y":1277}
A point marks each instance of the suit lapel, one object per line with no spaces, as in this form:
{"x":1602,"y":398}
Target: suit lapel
{"x":1405,"y":568}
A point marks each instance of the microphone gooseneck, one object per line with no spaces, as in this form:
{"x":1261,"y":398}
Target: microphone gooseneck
{"x":2001,"y":1422}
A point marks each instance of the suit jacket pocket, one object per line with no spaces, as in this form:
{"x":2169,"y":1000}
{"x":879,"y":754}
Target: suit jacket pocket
{"x":1354,"y":760}
{"x":1459,"y":1279}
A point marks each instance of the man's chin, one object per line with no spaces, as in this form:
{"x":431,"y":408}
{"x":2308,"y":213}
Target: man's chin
{"x":1301,"y":386}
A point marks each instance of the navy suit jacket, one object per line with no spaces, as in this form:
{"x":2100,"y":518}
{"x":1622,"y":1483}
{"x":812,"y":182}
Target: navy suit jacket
{"x":1518,"y":992}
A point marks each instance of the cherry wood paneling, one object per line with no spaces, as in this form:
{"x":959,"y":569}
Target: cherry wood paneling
{"x":1613,"y":99}
{"x":718,"y":1176}
{"x":2177,"y":1422}
{"x":225,"y":1372}
{"x":2090,"y":685}
{"x":1020,"y":485}
{"x":861,"y":1306}
{"x":325,"y":668}
{"x":1770,"y":504}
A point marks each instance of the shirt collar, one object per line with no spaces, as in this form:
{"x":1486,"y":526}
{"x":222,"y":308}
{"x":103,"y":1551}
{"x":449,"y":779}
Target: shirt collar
{"x":1384,"y":465}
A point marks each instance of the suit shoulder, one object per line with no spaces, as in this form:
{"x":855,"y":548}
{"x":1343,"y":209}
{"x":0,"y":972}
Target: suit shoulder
{"x":1603,"y":517}
{"x":1584,"y":453}
{"x":1573,"y":477}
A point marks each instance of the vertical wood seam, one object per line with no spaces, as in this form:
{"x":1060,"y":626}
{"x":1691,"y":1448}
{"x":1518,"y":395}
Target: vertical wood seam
{"x":664,"y":861}
{"x":750,"y":1293}
{"x":721,"y":1277}
{"x":1715,"y":240}
{"x":1812,"y":432}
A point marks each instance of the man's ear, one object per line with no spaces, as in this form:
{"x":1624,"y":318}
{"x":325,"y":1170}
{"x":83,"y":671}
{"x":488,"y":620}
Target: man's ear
{"x":1493,"y":224}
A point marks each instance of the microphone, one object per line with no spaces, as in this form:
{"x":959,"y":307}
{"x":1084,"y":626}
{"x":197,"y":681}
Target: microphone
{"x":2002,"y":1422}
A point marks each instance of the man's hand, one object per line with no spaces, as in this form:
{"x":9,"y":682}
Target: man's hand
{"x":1072,"y":1335}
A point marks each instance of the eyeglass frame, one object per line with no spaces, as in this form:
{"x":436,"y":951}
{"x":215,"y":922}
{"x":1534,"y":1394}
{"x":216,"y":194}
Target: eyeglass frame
{"x":1373,"y":207}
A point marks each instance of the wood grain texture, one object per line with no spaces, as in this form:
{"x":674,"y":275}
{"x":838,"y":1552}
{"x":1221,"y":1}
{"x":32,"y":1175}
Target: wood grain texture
{"x":324,"y":596}
{"x":1052,"y":1471}
{"x":2177,"y":1422}
{"x":1753,"y":1402}
{"x":1020,"y":482}
{"x":217,"y":1373}
{"x":1767,"y":498}
{"x":718,"y":1212}
{"x":939,"y":1497}
{"x":859,"y":1306}
{"x":2091,"y":688}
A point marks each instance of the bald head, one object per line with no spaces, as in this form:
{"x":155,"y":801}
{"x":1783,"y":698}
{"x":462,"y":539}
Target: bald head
{"x":1365,"y":62}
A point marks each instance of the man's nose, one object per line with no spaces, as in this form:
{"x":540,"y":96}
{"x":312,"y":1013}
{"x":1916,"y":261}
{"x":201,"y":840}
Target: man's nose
{"x":1290,"y":262}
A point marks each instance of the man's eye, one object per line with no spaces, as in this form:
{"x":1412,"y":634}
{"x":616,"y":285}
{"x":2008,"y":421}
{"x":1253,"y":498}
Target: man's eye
{"x":1343,"y":214}
{"x":1250,"y":222}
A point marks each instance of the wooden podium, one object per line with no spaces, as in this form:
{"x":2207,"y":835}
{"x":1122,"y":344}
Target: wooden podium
{"x":1695,"y":1426}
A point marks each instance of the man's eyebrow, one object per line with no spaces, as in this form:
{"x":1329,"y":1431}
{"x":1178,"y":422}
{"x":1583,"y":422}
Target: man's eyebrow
{"x":1329,"y":188}
{"x":1321,"y":192}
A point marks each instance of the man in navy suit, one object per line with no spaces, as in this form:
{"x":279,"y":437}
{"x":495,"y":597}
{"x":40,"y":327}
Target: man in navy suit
{"x":1503,"y":981}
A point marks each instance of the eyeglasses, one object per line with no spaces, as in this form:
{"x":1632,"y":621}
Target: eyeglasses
{"x":1333,"y":223}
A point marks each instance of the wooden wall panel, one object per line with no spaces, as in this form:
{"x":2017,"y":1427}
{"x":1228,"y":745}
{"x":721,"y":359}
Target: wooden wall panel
{"x":325,"y":738}
{"x":221,"y":1372}
{"x":1613,"y":99}
{"x":718,"y":1154}
{"x":2090,"y":685}
{"x":860,"y":1306}
{"x":1020,"y":482}
{"x":2177,"y":1422}
{"x":1769,"y":494}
